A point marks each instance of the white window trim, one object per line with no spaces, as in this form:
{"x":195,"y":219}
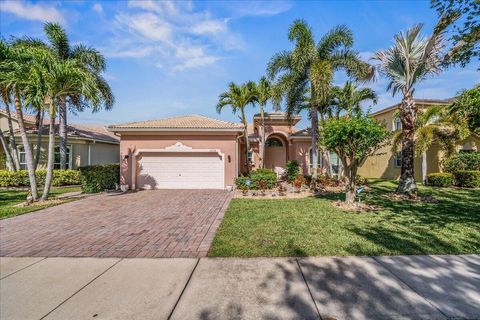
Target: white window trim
{"x":320,"y":159}
{"x":69,"y":165}
{"x":397,"y":156}
{"x":21,"y":150}
{"x":394,"y":124}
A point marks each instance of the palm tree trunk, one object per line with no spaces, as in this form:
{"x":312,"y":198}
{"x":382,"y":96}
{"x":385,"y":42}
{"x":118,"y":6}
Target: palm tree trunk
{"x":247,"y":143}
{"x":39,"y":124}
{"x":408,"y":116}
{"x":11,"y":139}
{"x":424,"y":167}
{"x":314,"y":123}
{"x":63,"y":132}
{"x":8,"y":154}
{"x":51,"y":153}
{"x":26,"y":146}
{"x":262,"y":137}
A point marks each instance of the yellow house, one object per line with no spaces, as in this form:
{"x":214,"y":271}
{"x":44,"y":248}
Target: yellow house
{"x":87,"y":145}
{"x":385,"y":164}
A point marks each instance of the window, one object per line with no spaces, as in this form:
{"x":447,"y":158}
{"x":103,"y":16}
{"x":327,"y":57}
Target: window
{"x":334,"y":162}
{"x":397,"y":124}
{"x":397,"y":159}
{"x":273,"y":142}
{"x":250,"y":157}
{"x":56,"y":164}
{"x":21,"y":157}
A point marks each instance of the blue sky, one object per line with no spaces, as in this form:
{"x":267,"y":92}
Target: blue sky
{"x":175,"y":58}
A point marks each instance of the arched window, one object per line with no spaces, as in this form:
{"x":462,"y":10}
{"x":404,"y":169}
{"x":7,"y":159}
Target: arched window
{"x":273,"y":142}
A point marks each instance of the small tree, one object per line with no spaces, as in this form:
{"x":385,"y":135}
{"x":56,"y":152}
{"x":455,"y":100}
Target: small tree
{"x":353,"y":138}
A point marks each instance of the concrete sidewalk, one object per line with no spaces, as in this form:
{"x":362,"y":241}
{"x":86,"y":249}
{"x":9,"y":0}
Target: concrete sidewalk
{"x":404,"y":287}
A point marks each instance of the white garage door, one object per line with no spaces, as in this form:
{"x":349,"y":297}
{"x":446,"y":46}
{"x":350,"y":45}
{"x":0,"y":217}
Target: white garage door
{"x":189,"y":170}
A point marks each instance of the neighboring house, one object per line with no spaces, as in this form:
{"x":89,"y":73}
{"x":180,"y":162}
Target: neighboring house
{"x":87,"y":145}
{"x":385,"y":164}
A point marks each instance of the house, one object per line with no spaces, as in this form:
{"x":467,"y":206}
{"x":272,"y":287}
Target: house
{"x":87,"y":144}
{"x":200,"y":152}
{"x":385,"y":164}
{"x":192,"y":152}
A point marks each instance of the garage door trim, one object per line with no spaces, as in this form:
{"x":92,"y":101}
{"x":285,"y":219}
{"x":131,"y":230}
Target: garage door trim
{"x":178,"y":147}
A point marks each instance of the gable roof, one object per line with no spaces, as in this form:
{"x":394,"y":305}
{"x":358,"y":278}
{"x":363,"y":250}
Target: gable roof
{"x":90,"y":132}
{"x":190,"y":123}
{"x":27,"y":118}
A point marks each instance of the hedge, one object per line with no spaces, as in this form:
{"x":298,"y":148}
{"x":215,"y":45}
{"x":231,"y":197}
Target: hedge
{"x":463,"y":161}
{"x":269,"y":176}
{"x":440,"y":179}
{"x":99,"y":178}
{"x":467,"y":178}
{"x":20,"y":178}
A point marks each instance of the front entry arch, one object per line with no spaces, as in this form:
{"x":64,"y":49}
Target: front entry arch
{"x":275,"y":152}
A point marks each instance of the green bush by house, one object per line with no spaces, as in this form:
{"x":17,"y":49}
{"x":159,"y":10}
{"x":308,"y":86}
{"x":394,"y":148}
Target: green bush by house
{"x":20,"y":178}
{"x":292,"y":170}
{"x":99,"y":178}
{"x":440,"y":179}
{"x":467,"y":178}
{"x":267,"y":175}
{"x":463,"y":161}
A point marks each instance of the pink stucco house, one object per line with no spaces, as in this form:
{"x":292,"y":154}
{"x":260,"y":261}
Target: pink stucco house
{"x":196,"y":152}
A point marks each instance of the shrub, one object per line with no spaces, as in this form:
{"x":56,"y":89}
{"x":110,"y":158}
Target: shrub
{"x":20,"y":178}
{"x":463,"y":161}
{"x":440,"y":179}
{"x":266,"y":175}
{"x":298,"y":182}
{"x":99,"y":178}
{"x":292,"y":170}
{"x":467,"y":178}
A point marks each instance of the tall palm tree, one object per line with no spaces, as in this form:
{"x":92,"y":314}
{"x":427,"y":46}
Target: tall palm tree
{"x":11,"y":149}
{"x":263,"y":92}
{"x":92,"y":61}
{"x":20,"y":72}
{"x":434,"y":125}
{"x":309,"y":69}
{"x":409,"y":61}
{"x":238,"y":97}
{"x":64,"y":78}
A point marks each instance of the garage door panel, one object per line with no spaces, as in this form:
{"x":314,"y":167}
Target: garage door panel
{"x":181,"y":171}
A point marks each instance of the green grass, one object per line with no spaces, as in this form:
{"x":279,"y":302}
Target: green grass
{"x":313,"y":227}
{"x":9,"y":198}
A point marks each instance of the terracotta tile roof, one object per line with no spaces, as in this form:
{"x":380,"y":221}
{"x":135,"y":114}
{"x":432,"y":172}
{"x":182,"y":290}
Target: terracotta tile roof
{"x":27,"y":118}
{"x":417,"y":101}
{"x":181,"y":122}
{"x":89,"y":132}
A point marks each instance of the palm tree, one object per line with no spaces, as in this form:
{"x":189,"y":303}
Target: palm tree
{"x":64,"y":78}
{"x":20,"y":71}
{"x":434,"y":125}
{"x":349,"y":98}
{"x":10,"y":150}
{"x":410,"y":60}
{"x":92,"y":61}
{"x":238,"y":97}
{"x":263,"y":93}
{"x":309,"y":68}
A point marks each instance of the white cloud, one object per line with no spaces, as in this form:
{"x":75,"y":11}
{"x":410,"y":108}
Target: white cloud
{"x":210,"y":27}
{"x":29,"y":11}
{"x":262,"y":8}
{"x":173,"y":35}
{"x":97,"y":7}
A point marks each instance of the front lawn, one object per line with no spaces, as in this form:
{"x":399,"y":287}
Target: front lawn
{"x":314,"y":227}
{"x":9,"y":198}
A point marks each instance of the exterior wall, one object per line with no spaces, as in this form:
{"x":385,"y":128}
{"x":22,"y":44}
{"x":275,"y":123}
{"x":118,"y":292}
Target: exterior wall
{"x":130,"y":142}
{"x":382,"y":165}
{"x":102,"y":153}
{"x":299,"y":151}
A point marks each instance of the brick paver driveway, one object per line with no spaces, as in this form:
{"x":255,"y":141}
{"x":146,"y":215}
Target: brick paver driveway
{"x":157,"y":223}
